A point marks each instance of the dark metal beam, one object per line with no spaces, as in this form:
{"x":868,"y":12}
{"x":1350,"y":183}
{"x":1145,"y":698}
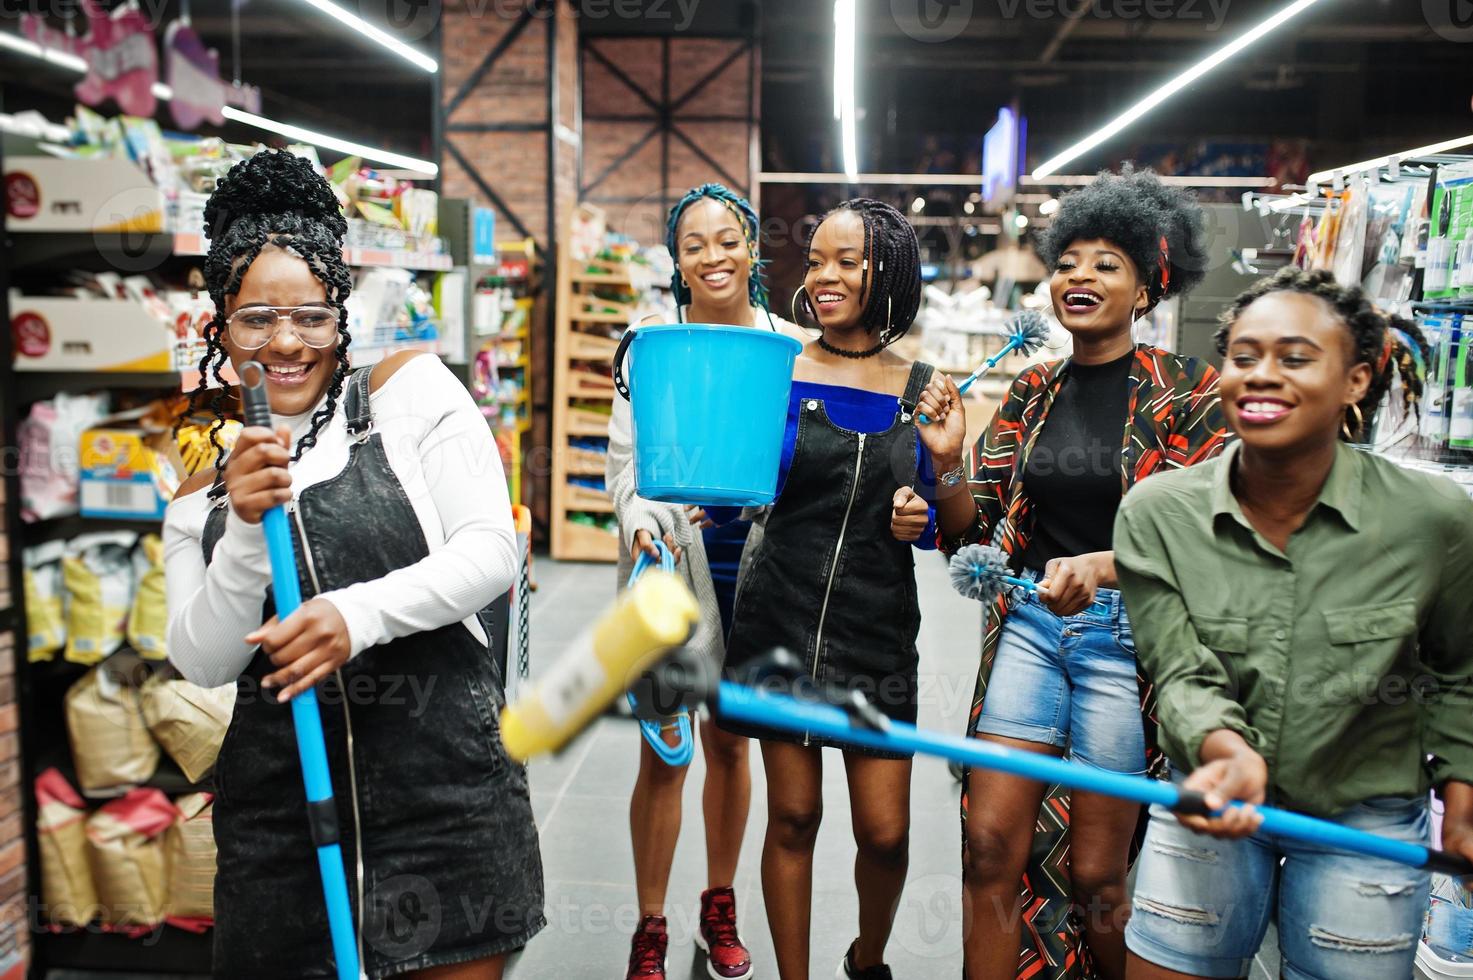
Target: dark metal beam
{"x":618,"y":73}
{"x":622,"y":159}
{"x":485,"y":189}
{"x":492,"y":56}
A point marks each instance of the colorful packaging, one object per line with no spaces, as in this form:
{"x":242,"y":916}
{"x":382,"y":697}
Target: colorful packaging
{"x":1450,"y":230}
{"x":1442,"y":332}
{"x":97,"y":571}
{"x":148,"y":619}
{"x":126,"y":472}
{"x":45,"y":600}
{"x":110,"y":742}
{"x":127,"y":858}
{"x":189,"y":721}
{"x":49,"y":438}
{"x":68,"y":896}
{"x":1460,"y":416}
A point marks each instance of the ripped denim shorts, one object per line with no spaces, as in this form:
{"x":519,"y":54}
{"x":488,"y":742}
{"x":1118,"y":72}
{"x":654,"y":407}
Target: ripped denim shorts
{"x":1202,"y":905}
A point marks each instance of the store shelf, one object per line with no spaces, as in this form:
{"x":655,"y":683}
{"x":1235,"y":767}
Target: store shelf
{"x":592,"y":317}
{"x":193,"y":243}
{"x":603,"y":279}
{"x":591,"y":347}
{"x":34,"y":386}
{"x":72,"y":525}
{"x":169,"y":952}
{"x":583,"y":543}
{"x":581,"y":422}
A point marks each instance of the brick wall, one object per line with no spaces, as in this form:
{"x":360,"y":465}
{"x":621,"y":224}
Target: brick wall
{"x":635,"y":169}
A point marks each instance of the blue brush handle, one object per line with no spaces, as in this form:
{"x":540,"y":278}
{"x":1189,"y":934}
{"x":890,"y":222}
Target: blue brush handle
{"x":765,"y":709}
{"x":286,"y":591}
{"x":684,"y":749}
{"x":1013,"y":344}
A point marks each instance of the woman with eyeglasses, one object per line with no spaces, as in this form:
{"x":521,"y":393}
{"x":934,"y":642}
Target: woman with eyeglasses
{"x":401,"y":517}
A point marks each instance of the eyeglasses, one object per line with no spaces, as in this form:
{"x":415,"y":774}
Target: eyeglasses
{"x":253,"y":327}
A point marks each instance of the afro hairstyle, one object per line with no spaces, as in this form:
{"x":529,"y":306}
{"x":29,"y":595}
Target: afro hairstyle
{"x":1135,"y":211}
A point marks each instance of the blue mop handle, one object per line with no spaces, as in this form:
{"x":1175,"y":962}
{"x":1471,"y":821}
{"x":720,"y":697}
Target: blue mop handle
{"x":776,"y":711}
{"x":1014,"y":342}
{"x":322,"y":811}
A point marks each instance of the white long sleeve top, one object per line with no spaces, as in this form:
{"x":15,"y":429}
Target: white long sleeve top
{"x":441,"y":449}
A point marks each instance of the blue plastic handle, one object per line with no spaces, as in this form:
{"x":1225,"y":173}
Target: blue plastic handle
{"x":1013,"y":344}
{"x":286,"y":592}
{"x":684,"y":749}
{"x":778,"y":711}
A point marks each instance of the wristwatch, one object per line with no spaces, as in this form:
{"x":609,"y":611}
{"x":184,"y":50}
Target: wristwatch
{"x":952,"y":478}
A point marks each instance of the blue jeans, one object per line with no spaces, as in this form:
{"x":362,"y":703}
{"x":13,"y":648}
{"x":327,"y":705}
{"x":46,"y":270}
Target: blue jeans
{"x":1202,"y":905}
{"x":1068,"y":681}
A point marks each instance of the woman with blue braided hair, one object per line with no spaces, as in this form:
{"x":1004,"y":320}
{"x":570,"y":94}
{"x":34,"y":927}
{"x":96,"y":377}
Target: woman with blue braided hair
{"x":712,"y":236}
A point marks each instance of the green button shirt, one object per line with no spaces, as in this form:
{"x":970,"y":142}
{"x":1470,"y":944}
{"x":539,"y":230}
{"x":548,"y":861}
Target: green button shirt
{"x":1347,"y":662}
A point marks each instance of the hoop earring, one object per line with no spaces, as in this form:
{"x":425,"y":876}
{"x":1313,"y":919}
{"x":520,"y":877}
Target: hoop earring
{"x":793,"y":306}
{"x":1360,"y":424}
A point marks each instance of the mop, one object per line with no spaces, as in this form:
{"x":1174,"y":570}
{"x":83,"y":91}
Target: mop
{"x":574,"y":687}
{"x":322,"y":810}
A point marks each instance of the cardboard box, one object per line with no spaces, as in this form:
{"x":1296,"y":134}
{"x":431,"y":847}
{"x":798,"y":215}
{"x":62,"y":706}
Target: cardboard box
{"x":54,"y":333}
{"x":44,"y":193}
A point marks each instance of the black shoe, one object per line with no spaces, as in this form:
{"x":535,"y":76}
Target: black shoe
{"x":848,"y":971}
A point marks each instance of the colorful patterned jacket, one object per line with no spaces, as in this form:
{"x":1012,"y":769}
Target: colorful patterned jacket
{"x":1175,"y":419}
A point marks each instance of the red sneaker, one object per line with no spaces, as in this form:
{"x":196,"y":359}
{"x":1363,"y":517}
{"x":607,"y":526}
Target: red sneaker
{"x":726,"y":957}
{"x":647,"y":953}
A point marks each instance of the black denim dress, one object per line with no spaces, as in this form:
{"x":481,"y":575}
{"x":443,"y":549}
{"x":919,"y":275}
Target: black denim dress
{"x":438,"y":838}
{"x":829,"y":581}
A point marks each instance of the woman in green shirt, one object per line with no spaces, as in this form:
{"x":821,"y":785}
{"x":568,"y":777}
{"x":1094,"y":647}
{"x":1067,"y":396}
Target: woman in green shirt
{"x":1305,"y":610}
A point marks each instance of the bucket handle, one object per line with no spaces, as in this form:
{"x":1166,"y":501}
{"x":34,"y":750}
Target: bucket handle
{"x":681,"y":753}
{"x":619,"y":383}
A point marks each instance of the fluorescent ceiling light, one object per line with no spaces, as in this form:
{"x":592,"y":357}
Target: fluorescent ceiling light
{"x":845,"y":41}
{"x":1075,"y":180}
{"x":330,"y":142}
{"x":374,"y":34}
{"x":1420,"y":151}
{"x":1175,"y":85}
{"x":165,"y":93}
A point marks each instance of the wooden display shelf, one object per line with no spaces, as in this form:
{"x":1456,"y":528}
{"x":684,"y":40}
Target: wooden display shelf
{"x":581,"y":422}
{"x":591,"y":347}
{"x":581,"y":384}
{"x":584,"y":498}
{"x":583,"y":543}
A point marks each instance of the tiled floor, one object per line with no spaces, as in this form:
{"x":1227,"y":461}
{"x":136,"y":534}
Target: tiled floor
{"x":582,"y":797}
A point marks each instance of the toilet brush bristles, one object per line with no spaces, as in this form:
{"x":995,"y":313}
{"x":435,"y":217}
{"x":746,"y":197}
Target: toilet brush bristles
{"x":981,"y":572}
{"x":1029,"y":331}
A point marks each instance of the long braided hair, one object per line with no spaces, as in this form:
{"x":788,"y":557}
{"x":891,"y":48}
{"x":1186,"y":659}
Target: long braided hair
{"x":890,"y":281}
{"x":747,"y":220}
{"x":1387,"y":344}
{"x":274,"y":198}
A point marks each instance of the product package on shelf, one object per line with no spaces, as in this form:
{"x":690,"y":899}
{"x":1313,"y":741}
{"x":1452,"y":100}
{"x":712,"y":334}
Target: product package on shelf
{"x":127,"y":471}
{"x":126,"y":852}
{"x":1460,"y":404}
{"x":68,"y":895}
{"x":45,"y":597}
{"x":97,"y":571}
{"x":188,"y":721}
{"x":50,"y":474}
{"x":148,"y":617}
{"x":190,"y":847}
{"x":1450,"y":235}
{"x":1442,"y":331}
{"x":111,"y":745}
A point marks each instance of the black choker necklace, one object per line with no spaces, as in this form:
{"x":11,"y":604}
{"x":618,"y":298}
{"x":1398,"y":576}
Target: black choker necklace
{"x":857,"y":355}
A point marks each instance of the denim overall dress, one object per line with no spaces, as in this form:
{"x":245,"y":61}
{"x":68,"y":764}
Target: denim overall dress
{"x":438,"y":838}
{"x":829,"y":581}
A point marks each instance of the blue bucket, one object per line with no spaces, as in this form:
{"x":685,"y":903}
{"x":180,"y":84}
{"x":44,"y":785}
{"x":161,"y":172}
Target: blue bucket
{"x":710,"y":406}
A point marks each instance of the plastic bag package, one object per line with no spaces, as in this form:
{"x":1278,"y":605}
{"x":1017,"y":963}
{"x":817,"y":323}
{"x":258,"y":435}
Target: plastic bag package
{"x":49,"y":437}
{"x":148,"y":619}
{"x":126,"y":853}
{"x":45,"y":600}
{"x":191,"y":852}
{"x":98,"y":573}
{"x":68,"y":896}
{"x":189,"y":721}
{"x":111,"y":745}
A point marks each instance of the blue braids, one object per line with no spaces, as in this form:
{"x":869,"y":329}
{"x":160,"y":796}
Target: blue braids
{"x":746,"y":217}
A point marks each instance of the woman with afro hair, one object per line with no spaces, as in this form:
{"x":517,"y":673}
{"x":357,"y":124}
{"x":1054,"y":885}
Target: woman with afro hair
{"x":1058,"y":667}
{"x":404,"y":534}
{"x":1306,"y":612}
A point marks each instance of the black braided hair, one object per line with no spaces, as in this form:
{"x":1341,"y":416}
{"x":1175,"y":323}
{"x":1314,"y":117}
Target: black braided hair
{"x":1387,"y":344}
{"x":1135,"y":211}
{"x":891,"y":279}
{"x":274,"y":198}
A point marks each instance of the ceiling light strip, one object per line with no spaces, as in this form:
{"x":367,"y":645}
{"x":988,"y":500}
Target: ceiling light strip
{"x":1421,"y":151}
{"x":379,"y":37}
